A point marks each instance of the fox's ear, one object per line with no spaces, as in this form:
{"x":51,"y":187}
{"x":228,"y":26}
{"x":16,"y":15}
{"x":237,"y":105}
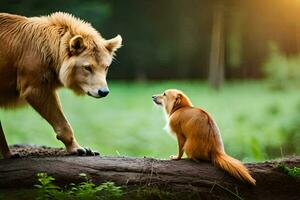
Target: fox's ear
{"x":113,"y":44}
{"x":176,"y":104}
{"x":178,"y":100}
{"x":76,"y":45}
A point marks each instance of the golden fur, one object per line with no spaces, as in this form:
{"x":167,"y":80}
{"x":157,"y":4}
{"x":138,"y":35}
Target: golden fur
{"x":40,"y":54}
{"x":197,"y":133}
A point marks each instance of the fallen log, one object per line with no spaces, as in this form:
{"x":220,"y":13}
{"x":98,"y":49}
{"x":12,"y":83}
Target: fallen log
{"x":184,"y":179}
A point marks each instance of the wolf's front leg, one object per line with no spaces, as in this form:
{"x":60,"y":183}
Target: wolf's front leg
{"x":47,"y":104}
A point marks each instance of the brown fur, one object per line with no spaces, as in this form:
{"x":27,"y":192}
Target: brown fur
{"x":197,"y":134}
{"x":40,"y":54}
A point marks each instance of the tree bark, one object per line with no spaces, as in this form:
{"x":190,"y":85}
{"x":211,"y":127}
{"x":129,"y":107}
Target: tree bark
{"x":185,"y":179}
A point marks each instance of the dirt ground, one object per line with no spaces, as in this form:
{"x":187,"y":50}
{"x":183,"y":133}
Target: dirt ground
{"x":25,"y":150}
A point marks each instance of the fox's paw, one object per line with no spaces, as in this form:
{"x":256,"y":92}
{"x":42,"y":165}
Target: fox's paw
{"x":84,"y":151}
{"x":174,"y":158}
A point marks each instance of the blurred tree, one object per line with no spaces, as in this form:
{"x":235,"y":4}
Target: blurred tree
{"x":93,"y":11}
{"x":180,"y":39}
{"x":234,"y":37}
{"x":216,"y":64}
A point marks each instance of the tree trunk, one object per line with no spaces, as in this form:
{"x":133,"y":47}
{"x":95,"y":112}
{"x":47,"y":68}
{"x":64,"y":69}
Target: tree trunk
{"x":184,"y":179}
{"x":216,"y":63}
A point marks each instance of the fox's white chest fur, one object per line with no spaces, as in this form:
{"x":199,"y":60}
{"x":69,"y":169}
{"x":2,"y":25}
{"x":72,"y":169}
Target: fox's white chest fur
{"x":167,"y":127}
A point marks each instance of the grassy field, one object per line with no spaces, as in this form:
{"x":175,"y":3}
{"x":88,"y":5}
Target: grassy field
{"x":256,"y":123}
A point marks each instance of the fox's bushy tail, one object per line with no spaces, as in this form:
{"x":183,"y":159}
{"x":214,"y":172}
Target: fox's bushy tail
{"x":233,"y":167}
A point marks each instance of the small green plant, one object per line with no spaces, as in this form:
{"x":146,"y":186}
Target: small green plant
{"x":82,"y":191}
{"x":46,"y":188}
{"x":294,"y":172}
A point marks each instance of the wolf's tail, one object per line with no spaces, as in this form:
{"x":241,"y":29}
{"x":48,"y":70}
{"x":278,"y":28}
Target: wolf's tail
{"x":233,"y":167}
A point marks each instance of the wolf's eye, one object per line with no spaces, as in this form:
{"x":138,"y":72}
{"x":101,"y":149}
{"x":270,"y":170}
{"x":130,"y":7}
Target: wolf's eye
{"x":88,"y":68}
{"x":164,"y":94}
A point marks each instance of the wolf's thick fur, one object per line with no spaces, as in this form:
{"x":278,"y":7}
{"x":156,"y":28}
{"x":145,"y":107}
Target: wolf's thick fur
{"x":40,"y":54}
{"x":197,"y":134}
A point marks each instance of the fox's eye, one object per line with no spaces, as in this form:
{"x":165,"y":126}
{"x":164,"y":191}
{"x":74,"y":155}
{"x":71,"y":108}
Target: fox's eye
{"x":88,"y":68}
{"x":106,"y":68}
{"x":164,"y":94}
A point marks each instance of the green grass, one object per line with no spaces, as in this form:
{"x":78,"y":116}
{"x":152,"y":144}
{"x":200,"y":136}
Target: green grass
{"x":256,"y":123}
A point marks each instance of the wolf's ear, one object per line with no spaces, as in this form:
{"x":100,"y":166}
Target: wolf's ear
{"x":76,"y":45}
{"x":113,"y":44}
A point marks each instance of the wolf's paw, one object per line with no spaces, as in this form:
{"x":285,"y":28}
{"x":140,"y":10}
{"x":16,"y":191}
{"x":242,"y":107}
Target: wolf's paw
{"x":14,"y":155}
{"x":85,"y":151}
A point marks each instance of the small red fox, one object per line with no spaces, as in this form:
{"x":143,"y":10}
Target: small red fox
{"x":198,"y":134}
